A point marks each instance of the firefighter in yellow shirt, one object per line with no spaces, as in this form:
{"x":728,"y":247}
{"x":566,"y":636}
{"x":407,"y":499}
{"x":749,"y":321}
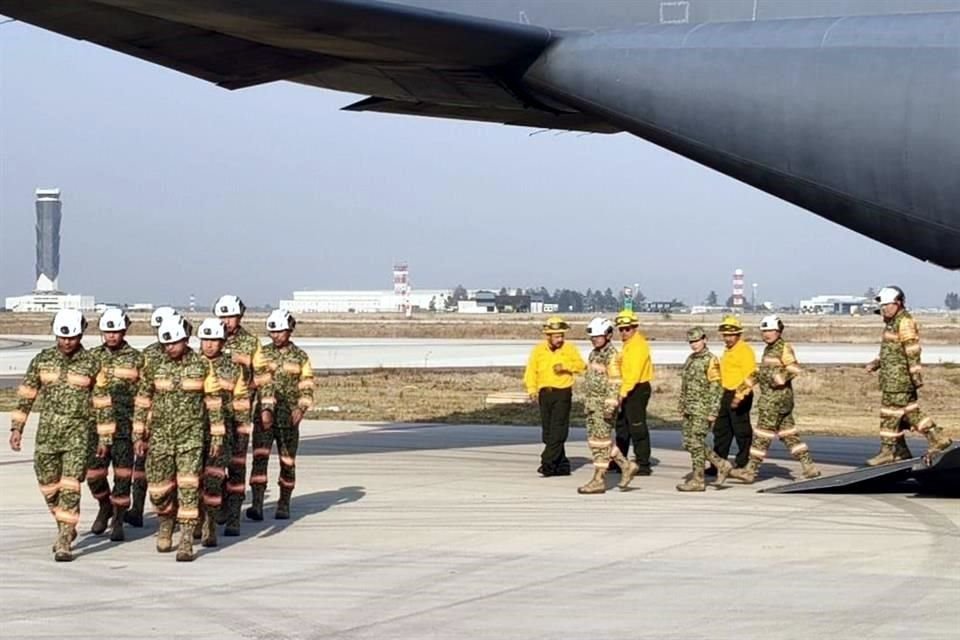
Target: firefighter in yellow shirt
{"x":738,"y":368}
{"x":636,"y":368}
{"x":549,"y":382}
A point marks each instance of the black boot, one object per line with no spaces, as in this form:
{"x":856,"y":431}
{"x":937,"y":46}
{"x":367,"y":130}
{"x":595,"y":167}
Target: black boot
{"x":255,"y":511}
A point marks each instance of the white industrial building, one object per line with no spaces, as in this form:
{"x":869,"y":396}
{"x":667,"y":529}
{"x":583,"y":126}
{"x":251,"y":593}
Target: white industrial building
{"x":834,"y":305}
{"x":49,"y":302}
{"x":384,"y":301}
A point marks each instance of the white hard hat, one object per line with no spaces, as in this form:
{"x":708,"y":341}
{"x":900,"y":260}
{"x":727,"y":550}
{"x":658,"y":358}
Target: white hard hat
{"x":280,"y":320}
{"x":889,"y":295}
{"x":599,"y":327}
{"x":160,"y":314}
{"x":114,"y":320}
{"x":174,"y":329}
{"x":771,"y":323}
{"x":212,"y":329}
{"x":69,"y":323}
{"x":227,"y":306}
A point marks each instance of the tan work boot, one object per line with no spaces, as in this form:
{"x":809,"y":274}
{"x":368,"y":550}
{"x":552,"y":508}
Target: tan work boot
{"x":208,"y":537}
{"x":884,"y":456}
{"x":255,"y":510}
{"x":901,"y":450}
{"x":61,"y":551}
{"x":103,"y":517}
{"x":116,"y":525}
{"x":627,"y":474}
{"x":695,"y":483}
{"x":937,"y":441}
{"x":185,"y":548}
{"x":232,"y":527}
{"x":745,"y":475}
{"x":202,"y":517}
{"x":723,"y":471}
{"x":165,"y":534}
{"x":810,"y":470}
{"x":596,"y":484}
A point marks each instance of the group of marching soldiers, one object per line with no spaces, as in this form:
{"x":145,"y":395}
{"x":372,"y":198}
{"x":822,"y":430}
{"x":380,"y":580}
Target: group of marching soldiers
{"x":716,"y":395}
{"x":172,"y":422}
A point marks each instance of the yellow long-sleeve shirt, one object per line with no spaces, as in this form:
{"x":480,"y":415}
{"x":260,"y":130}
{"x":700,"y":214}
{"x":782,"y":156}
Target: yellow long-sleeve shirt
{"x":636,"y":366}
{"x":738,"y":368}
{"x":540,"y":374}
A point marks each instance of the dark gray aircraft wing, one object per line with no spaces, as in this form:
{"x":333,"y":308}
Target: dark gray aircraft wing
{"x":414,"y":61}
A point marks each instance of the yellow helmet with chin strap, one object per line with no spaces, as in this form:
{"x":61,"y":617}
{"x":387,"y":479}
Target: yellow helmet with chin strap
{"x":627,"y":318}
{"x":555,"y":324}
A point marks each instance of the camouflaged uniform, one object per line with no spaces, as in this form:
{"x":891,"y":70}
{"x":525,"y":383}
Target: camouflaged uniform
{"x":153,"y":354}
{"x":122,"y":370}
{"x":287,"y":385}
{"x":700,"y":394}
{"x":602,"y":395}
{"x":235,"y":399}
{"x":778,"y":368}
{"x":74,"y":396}
{"x":177,"y":402}
{"x":244,"y":349}
{"x":900,"y":377}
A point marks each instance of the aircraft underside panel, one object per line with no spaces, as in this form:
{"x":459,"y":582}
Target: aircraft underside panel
{"x":855,"y":119}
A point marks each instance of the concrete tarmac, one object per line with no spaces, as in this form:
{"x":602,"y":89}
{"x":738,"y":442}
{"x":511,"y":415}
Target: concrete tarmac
{"x":436,"y":531}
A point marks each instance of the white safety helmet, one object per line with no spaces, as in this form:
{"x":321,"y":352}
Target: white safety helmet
{"x":889,"y":295}
{"x":280,"y":320}
{"x":160,"y":314}
{"x":114,"y":320}
{"x":599,"y":327}
{"x":174,"y":329}
{"x":228,"y":306}
{"x":212,"y":329}
{"x":69,"y":323}
{"x":771,"y":323}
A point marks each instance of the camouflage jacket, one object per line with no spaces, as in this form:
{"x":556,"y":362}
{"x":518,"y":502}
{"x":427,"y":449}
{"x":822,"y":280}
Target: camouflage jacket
{"x":176,"y":402}
{"x":899,"y":361}
{"x":602,"y":380}
{"x":74,"y":395}
{"x":122,"y":369}
{"x":234,"y":394}
{"x":152,"y":354}
{"x":700,"y":388}
{"x":290,"y":383}
{"x":244,"y":348}
{"x":778,"y":368}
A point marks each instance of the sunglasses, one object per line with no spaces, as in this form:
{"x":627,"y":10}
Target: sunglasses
{"x":626,"y":329}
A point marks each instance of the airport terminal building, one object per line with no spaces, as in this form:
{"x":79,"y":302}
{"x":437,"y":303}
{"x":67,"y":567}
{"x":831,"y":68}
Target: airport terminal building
{"x":383,"y":301}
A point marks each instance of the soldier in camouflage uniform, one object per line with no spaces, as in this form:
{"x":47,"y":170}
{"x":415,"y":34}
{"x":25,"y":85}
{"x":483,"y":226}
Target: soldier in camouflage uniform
{"x":244,"y":349}
{"x":236,"y":413}
{"x":778,"y":368}
{"x":284,"y":399}
{"x":700,"y":393}
{"x":602,"y":390}
{"x":121,"y":364}
{"x":152,"y":355}
{"x":901,"y":377}
{"x":74,"y":394}
{"x":177,"y":401}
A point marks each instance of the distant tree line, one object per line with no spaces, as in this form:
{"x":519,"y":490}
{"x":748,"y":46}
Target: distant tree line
{"x":952,"y":301}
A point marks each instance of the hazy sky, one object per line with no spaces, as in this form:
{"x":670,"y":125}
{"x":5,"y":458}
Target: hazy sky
{"x":172,"y":186}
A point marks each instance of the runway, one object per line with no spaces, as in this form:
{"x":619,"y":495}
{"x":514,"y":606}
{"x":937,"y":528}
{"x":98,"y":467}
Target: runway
{"x":351,"y":353}
{"x":436,"y":531}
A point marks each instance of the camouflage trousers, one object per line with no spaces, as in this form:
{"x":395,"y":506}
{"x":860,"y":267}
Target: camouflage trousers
{"x":776,"y":421}
{"x":138,"y":488}
{"x":695,"y":431}
{"x":214,"y":473}
{"x":903,"y":407}
{"x":237,"y":467}
{"x":600,"y":439}
{"x":173,"y":480}
{"x":121,"y":457}
{"x":287,"y":439}
{"x":59,"y":475}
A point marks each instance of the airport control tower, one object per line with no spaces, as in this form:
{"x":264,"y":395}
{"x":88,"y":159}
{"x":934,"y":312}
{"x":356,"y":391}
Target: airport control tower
{"x":49,"y":215}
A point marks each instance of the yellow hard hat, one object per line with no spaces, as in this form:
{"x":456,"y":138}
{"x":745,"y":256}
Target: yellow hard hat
{"x":731,"y":325}
{"x":555,"y":324}
{"x":627,"y":318}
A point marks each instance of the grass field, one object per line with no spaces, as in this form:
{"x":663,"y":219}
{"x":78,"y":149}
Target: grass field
{"x":830,"y":400}
{"x":935,"y":328}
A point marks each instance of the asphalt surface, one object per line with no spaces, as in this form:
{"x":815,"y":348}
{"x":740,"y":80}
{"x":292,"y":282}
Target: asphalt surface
{"x":415,"y":531}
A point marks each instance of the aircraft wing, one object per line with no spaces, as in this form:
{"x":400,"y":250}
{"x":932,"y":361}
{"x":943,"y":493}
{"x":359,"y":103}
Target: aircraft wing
{"x":409,"y":60}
